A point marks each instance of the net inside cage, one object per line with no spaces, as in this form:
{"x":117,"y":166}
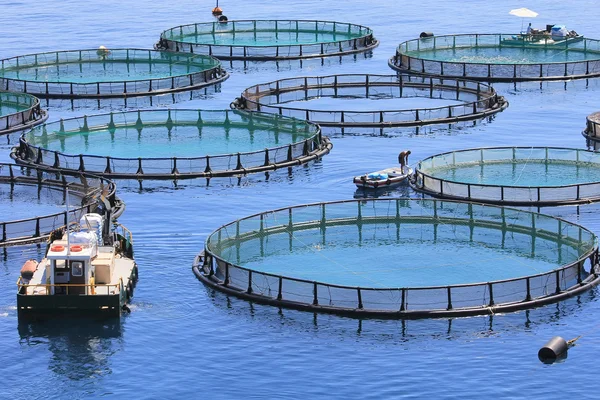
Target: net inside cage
{"x":396,"y":255}
{"x":327,"y":100}
{"x":537,"y":174}
{"x":268,"y":39}
{"x":74,"y":74}
{"x":504,"y":57}
{"x":166,"y":143}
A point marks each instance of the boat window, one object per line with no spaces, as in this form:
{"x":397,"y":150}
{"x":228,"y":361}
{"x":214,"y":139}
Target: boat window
{"x":60,"y":264}
{"x":77,"y":268}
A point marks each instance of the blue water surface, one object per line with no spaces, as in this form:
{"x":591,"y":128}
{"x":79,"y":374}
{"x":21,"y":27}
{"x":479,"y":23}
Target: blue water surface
{"x":182,"y":340}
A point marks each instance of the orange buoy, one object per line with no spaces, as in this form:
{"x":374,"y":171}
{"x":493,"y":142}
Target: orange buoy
{"x":75,"y":248}
{"x":57,"y":247}
{"x":217,"y":11}
{"x":28,"y":269}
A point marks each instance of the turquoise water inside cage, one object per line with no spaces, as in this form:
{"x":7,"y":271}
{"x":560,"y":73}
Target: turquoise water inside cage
{"x":373,"y":103}
{"x":7,"y":108}
{"x":157,"y":140}
{"x":385,"y":255}
{"x":524,"y":173}
{"x":504,"y":55}
{"x":98,"y":71}
{"x":266,"y":38}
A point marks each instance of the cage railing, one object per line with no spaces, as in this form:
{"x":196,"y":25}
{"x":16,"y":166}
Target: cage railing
{"x":28,"y":289}
{"x":31,"y":112}
{"x":201,"y":71}
{"x":477,"y":100}
{"x":592,"y":127}
{"x":88,"y":188}
{"x":569,"y":279}
{"x":407,"y":59}
{"x":507,"y":194}
{"x":173,"y":39}
{"x":309,"y":144}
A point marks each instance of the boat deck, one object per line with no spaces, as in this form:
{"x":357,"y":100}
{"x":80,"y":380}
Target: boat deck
{"x":123,"y":269}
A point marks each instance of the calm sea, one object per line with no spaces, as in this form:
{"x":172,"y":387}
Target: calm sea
{"x":184,"y":341}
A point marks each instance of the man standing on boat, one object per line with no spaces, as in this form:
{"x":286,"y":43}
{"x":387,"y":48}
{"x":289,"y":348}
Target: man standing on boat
{"x":403,"y":160}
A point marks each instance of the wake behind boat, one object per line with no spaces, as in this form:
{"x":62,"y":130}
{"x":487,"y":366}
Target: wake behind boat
{"x":386,"y":178}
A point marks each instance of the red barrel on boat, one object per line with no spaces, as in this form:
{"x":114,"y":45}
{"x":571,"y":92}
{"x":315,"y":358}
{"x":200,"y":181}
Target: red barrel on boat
{"x":28,"y":269}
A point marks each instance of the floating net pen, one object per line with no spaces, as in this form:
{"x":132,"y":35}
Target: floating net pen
{"x":19,"y":111}
{"x":44,"y":192}
{"x":512,"y":175}
{"x":592,"y":128}
{"x":264,"y":40}
{"x":461,"y":100}
{"x":499,"y":57}
{"x":172,"y":144}
{"x":400,"y":258}
{"x":108,"y":73}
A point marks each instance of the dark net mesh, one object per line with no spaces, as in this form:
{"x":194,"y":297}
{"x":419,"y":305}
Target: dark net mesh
{"x":19,"y":111}
{"x":92,"y":194}
{"x":417,"y":56}
{"x":308,"y":144}
{"x":573,"y":250}
{"x":476,"y":100}
{"x":108,"y":73}
{"x":268,"y":39}
{"x":426,"y":180}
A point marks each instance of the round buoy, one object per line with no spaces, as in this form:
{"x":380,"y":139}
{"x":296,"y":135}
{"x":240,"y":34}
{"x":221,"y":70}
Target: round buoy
{"x":76,"y":248}
{"x":102,"y":51}
{"x":217,"y":11}
{"x":426,"y":34}
{"x":223,"y":19}
{"x":57,"y":247}
{"x":554,"y":350}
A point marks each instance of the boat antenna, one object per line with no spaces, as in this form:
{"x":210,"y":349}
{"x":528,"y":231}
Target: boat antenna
{"x":68,"y":223}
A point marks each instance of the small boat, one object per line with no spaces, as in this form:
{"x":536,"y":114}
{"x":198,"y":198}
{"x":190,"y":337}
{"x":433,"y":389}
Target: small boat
{"x":89,"y":271}
{"x":540,"y":40}
{"x":386,"y":178}
{"x":553,"y":35}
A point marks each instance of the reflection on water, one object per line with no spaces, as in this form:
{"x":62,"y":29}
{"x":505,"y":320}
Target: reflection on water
{"x":80,"y":348}
{"x":412,"y":332}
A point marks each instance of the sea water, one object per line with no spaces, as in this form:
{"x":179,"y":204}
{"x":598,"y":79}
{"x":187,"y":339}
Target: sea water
{"x":184,"y":340}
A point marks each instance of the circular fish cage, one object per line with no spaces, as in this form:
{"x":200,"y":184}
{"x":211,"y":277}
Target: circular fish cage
{"x":264,"y":40}
{"x":28,"y":190}
{"x":453,"y":100}
{"x":512,"y":175}
{"x":106,"y":73}
{"x":400,"y":258}
{"x":164,"y":144}
{"x":592,"y":128}
{"x":19,"y":111}
{"x":499,"y":57}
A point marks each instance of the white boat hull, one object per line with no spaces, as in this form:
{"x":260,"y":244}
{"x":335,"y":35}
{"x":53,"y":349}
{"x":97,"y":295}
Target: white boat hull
{"x":396,"y":177}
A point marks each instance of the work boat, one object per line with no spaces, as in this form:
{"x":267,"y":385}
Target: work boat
{"x":386,"y":178}
{"x":89,"y":271}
